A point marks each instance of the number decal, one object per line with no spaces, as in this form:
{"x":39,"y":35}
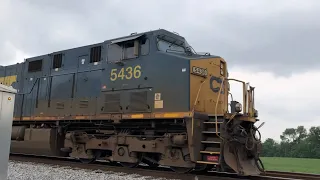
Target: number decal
{"x":199,"y":71}
{"x":121,"y":73}
{"x":137,"y":72}
{"x":113,"y":75}
{"x":127,"y":73}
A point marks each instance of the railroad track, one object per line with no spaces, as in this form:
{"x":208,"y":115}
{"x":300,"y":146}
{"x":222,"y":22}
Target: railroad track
{"x":293,"y":175}
{"x":162,"y":172}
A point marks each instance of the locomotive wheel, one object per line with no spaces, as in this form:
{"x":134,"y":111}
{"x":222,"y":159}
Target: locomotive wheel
{"x":151,"y":164}
{"x":132,"y":165}
{"x":151,"y":160}
{"x":180,"y":170}
{"x":90,"y":160}
{"x":129,"y":165}
{"x":87,"y":161}
{"x":200,"y":167}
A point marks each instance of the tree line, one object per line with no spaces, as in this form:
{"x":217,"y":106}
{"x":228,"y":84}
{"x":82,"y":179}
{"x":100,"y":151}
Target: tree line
{"x":295,"y":142}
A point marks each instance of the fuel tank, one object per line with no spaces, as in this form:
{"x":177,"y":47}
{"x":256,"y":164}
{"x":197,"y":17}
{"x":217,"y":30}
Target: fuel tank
{"x":42,"y":141}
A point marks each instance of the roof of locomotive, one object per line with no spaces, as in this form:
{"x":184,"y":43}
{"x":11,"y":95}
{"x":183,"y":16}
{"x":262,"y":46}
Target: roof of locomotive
{"x":151,"y":32}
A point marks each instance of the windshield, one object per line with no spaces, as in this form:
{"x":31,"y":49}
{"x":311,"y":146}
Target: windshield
{"x":164,"y":45}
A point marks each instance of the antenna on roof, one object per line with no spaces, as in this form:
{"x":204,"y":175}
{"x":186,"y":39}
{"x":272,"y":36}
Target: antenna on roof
{"x":133,"y":33}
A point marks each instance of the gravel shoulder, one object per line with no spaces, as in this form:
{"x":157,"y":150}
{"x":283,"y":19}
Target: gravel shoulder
{"x":18,"y":170}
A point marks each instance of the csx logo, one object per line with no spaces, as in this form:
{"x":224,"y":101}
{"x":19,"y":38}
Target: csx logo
{"x":199,"y":71}
{"x":214,"y":81}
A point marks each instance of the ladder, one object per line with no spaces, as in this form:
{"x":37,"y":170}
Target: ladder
{"x":211,"y":143}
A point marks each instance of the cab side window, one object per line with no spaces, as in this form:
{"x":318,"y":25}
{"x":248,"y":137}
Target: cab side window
{"x":129,"y":50}
{"x":164,"y":45}
{"x":126,"y":50}
{"x":145,"y":46}
{"x":114,"y":52}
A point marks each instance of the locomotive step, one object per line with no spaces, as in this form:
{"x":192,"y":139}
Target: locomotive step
{"x":209,"y":132}
{"x":209,"y":152}
{"x":207,"y":162}
{"x":211,"y":142}
{"x":212,"y":122}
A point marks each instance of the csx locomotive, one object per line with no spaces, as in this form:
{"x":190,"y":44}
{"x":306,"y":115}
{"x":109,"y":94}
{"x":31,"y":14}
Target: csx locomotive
{"x":144,"y":98}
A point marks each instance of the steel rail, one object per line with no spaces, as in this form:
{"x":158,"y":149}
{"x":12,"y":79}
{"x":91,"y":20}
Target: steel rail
{"x":100,"y":166}
{"x":163,"y":172}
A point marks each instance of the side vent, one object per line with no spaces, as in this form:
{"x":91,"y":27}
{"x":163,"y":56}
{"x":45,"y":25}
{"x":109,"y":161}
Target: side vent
{"x":57,"y":61}
{"x":35,"y":66}
{"x":139,"y":102}
{"x":83,"y":104}
{"x":112,"y":103}
{"x":59,"y":105}
{"x":95,"y":54}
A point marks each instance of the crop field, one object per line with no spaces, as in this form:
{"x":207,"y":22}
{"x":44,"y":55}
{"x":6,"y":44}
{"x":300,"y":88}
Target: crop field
{"x":292,"y":164}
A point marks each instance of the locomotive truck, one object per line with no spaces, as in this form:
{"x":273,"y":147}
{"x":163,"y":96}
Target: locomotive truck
{"x":143,"y":98}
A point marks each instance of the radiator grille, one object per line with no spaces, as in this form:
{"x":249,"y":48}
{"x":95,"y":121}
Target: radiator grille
{"x":112,"y":103}
{"x":138,"y":102}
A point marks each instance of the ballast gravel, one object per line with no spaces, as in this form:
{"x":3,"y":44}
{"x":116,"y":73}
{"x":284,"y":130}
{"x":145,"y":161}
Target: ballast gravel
{"x":33,"y":171}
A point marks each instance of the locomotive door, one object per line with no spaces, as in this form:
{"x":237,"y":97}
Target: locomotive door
{"x":87,"y":91}
{"x":29,"y":95}
{"x":42,"y":97}
{"x":61,"y":94}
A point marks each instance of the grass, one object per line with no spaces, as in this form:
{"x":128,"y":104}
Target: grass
{"x":292,"y":164}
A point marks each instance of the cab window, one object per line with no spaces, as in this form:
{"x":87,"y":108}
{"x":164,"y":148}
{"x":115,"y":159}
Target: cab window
{"x":126,"y":50}
{"x":166,"y":46}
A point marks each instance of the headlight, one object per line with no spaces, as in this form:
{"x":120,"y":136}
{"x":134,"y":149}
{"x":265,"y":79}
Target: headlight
{"x":255,"y":113}
{"x":238,"y":107}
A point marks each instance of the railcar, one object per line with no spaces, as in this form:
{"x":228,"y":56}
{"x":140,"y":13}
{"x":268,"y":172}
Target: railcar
{"x":143,"y":98}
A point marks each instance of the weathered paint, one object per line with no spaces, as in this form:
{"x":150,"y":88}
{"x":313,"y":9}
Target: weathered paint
{"x":204,"y":90}
{"x":8,"y":80}
{"x":155,"y":81}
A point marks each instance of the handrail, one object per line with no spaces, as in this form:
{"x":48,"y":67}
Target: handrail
{"x":244,"y":94}
{"x":248,"y":100}
{"x":23,"y":94}
{"x":31,"y":88}
{"x":194,"y":105}
{"x":216,"y":107}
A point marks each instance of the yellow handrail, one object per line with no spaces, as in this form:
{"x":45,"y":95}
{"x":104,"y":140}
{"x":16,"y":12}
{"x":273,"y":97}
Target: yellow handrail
{"x":215,"y":110}
{"x":194,"y":105}
{"x":247,"y":100}
{"x":244,"y":94}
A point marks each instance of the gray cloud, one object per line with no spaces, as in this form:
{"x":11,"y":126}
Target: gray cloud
{"x":276,"y":36}
{"x":279,"y":37}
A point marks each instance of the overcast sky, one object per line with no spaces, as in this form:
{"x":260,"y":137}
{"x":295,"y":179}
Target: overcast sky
{"x":273,"y":44}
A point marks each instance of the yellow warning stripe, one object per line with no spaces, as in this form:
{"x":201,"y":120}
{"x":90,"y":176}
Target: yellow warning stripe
{"x":164,"y":115}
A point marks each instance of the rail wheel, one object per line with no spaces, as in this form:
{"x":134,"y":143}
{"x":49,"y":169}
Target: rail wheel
{"x":181,"y":170}
{"x":96,"y":155}
{"x":87,"y":161}
{"x":151,"y":160}
{"x":200,"y":167}
{"x":132,"y":165}
{"x":129,"y":165}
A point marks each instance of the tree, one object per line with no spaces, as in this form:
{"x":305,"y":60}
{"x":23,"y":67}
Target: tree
{"x":295,"y":142}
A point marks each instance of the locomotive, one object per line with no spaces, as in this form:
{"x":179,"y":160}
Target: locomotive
{"x":143,"y":98}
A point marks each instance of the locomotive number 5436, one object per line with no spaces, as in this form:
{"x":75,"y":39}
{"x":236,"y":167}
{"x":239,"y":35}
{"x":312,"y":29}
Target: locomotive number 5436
{"x":127,"y":73}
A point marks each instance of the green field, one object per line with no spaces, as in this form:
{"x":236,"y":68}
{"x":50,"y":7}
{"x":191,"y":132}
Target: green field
{"x":292,"y":164}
